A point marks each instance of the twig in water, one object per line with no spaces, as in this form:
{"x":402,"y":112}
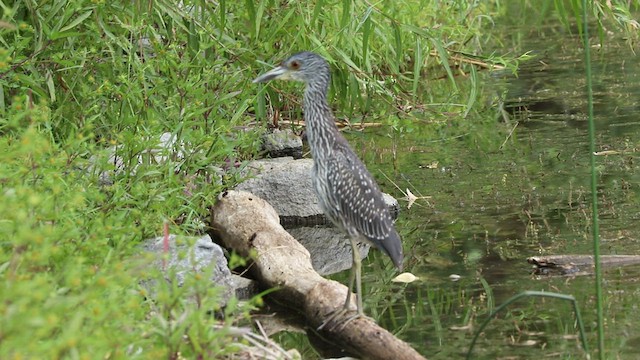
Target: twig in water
{"x":510,"y":134}
{"x":408,"y":195}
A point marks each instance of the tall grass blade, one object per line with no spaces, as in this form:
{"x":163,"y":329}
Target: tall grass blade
{"x":417,"y":65}
{"x":366,"y":34}
{"x":473,"y":92}
{"x":251,"y":16}
{"x":77,"y":21}
{"x":489,"y":292}
{"x":259,"y":15}
{"x":397,"y":35}
{"x":316,"y":12}
{"x":437,"y":323}
{"x":50,"y":86}
{"x":594,"y":182}
{"x":346,"y":13}
{"x":444,"y":58}
{"x":222,"y":8}
{"x":3,"y":106}
{"x":562,"y":12}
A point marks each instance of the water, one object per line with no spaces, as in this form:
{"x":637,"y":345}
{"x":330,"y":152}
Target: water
{"x":489,"y":210}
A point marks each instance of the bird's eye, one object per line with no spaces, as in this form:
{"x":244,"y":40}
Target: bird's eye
{"x":295,"y":65}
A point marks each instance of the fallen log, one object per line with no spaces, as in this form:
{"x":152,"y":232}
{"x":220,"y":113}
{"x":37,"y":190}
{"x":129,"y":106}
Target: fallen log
{"x":251,"y":227}
{"x":578,"y":264}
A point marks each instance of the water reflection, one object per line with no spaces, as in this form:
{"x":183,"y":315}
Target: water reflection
{"x":490,"y":211}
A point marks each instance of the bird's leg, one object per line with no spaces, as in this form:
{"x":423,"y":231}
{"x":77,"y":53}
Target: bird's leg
{"x":354,"y":275}
{"x":352,"y":278}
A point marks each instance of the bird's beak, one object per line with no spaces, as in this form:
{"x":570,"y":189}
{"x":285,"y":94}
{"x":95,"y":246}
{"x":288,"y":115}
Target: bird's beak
{"x":279,"y":72}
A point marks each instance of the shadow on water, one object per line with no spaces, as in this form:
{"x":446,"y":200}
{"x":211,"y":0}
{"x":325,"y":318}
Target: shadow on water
{"x":489,"y":211}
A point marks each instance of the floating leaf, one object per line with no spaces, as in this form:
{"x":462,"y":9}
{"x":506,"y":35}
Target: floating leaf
{"x":406,"y":278}
{"x":410,"y":198}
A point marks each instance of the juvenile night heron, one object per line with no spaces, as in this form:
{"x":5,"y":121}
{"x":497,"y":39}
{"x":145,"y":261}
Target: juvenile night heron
{"x":347,"y":193}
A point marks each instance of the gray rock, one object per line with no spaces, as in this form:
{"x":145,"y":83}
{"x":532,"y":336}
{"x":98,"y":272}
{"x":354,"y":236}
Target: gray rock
{"x":189,"y":255}
{"x":281,"y":143}
{"x":166,"y":149}
{"x":330,"y":248}
{"x":286,"y":185}
{"x":245,"y":288}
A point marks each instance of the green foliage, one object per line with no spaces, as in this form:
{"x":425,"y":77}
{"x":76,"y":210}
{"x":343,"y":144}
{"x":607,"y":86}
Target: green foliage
{"x":102,"y":68}
{"x":385,"y":54}
{"x":618,"y":12}
{"x":68,"y":288}
{"x":609,"y":17}
{"x":79,"y":82}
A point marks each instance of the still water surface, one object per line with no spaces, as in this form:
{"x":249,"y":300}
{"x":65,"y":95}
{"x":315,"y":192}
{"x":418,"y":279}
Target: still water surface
{"x":489,"y":210}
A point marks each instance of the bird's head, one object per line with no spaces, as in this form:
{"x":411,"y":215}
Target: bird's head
{"x":303,"y":66}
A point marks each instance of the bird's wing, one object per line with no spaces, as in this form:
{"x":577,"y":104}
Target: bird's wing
{"x":357,"y":203}
{"x":357,"y":197}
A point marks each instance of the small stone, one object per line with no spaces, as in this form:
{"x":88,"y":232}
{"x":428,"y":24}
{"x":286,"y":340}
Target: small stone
{"x":202,"y":253}
{"x":282,"y":143}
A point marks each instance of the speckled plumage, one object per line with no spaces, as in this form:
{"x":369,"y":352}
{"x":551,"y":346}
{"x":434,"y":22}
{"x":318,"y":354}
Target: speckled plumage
{"x":347,"y":192}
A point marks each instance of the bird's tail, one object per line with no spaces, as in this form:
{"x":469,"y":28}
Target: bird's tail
{"x":393,"y":247}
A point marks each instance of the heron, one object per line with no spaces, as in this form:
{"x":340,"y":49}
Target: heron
{"x":347,"y":193}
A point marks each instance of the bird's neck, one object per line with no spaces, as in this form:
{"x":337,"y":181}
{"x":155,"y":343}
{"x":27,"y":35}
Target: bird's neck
{"x":321,"y":129}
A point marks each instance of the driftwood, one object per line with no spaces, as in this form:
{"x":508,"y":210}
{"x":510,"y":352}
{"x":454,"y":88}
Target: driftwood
{"x":578,"y":264}
{"x":249,"y":225}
